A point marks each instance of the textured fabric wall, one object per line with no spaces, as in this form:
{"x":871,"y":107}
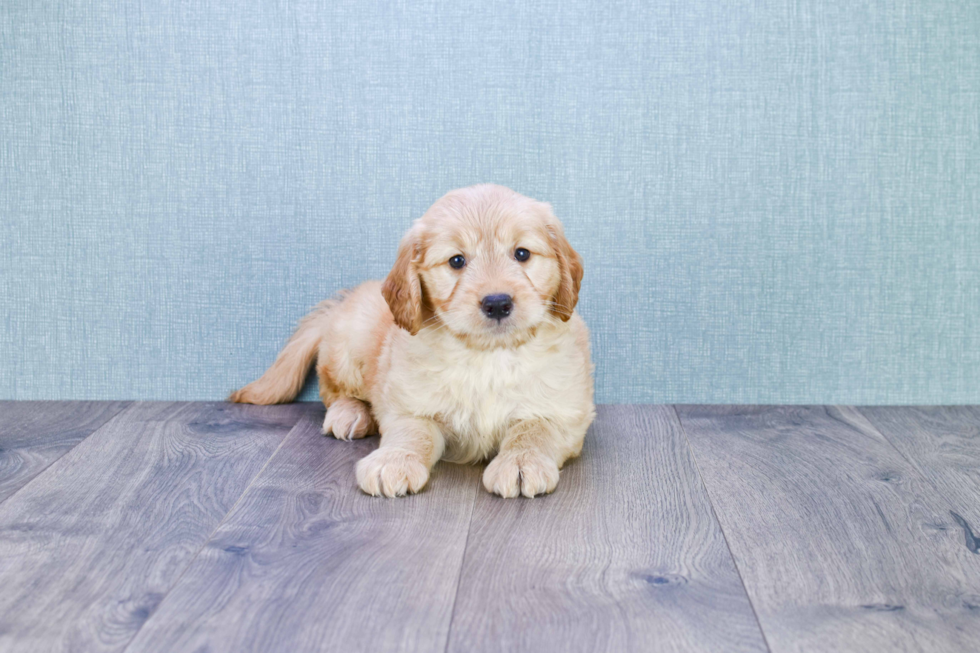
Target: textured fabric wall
{"x":777,"y":201}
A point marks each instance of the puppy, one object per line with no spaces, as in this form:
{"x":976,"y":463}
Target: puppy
{"x":470,"y":347}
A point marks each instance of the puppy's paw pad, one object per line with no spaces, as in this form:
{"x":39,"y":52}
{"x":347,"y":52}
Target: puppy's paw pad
{"x":511,"y":475}
{"x":391,"y":473}
{"x":348,"y":419}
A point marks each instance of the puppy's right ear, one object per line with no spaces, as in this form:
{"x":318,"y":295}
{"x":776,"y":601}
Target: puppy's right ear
{"x":402,"y":288}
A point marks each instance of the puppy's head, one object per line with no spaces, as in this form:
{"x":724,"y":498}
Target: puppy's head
{"x":487,"y":264}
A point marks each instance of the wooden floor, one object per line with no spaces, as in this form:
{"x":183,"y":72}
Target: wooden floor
{"x":218,"y":527}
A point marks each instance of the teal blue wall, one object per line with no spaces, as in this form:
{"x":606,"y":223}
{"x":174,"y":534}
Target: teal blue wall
{"x":776,"y":201}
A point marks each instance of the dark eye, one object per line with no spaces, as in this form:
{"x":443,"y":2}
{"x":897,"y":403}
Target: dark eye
{"x":522,"y":254}
{"x":457,"y":262}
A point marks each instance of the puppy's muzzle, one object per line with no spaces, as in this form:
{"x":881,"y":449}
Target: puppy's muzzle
{"x":497,"y":307}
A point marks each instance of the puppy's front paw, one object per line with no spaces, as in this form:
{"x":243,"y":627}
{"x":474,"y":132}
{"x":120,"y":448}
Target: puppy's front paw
{"x":530,"y":474}
{"x":348,"y":419}
{"x":392,"y":473}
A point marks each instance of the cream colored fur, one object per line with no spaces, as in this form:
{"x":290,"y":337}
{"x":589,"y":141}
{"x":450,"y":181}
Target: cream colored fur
{"x":417,"y":359}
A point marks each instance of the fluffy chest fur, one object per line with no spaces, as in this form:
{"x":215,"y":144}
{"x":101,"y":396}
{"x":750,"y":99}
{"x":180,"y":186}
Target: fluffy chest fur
{"x":476,"y":394}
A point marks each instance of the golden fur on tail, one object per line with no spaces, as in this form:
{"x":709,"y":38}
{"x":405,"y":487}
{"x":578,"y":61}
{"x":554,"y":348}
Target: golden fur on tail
{"x":283,"y":381}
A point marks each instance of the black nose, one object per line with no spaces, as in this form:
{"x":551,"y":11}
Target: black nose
{"x":497,"y":307}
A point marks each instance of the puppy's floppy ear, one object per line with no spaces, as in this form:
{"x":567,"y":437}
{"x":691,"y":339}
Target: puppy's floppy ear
{"x":570,"y":269}
{"x":402,"y":288}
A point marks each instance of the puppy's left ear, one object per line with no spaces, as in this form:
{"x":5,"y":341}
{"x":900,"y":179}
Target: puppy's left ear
{"x":570,"y":269}
{"x":402,"y":288}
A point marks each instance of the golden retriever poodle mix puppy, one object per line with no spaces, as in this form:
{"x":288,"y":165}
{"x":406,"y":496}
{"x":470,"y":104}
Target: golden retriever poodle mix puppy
{"x":471,"y":348}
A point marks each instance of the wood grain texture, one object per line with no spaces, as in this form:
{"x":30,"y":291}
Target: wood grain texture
{"x":90,"y":547}
{"x":943,"y":443}
{"x":306,"y":562}
{"x":841,"y":543}
{"x":34,"y":434}
{"x":626,"y":555}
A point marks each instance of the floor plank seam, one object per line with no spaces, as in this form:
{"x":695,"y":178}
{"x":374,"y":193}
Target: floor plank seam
{"x":462,"y":566}
{"x":119,"y":413}
{"x":190,"y":562}
{"x":971,"y":543}
{"x":891,"y":444}
{"x":721,"y":527}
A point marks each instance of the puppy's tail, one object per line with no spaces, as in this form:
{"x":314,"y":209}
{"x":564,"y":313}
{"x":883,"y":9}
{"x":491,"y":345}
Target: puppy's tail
{"x":283,"y":381}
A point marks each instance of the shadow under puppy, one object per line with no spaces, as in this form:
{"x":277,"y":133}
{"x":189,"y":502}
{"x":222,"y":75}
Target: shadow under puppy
{"x":470,"y":347}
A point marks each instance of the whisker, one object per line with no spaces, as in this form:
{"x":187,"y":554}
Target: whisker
{"x":557,"y":308}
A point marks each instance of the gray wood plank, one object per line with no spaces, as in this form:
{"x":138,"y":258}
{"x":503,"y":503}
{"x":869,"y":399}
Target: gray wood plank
{"x":626,"y":555}
{"x":841,"y":543}
{"x":91,"y":545}
{"x":306,"y":562}
{"x":943,"y":443}
{"x":34,"y":434}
